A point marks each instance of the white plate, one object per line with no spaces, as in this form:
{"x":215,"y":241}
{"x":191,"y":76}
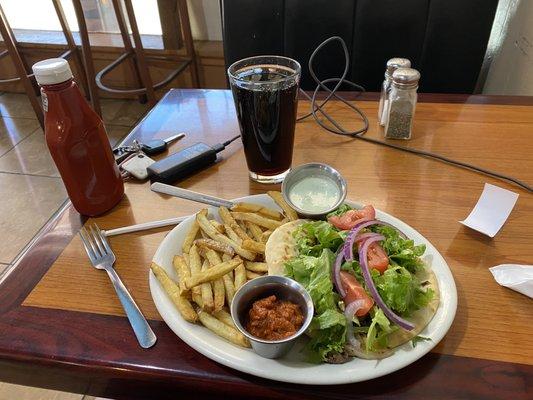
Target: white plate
{"x":293,"y":368}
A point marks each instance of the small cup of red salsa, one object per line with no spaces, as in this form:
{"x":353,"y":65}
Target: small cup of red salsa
{"x":272,"y":312}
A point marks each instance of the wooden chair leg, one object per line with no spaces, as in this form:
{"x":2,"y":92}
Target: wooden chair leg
{"x":72,"y":46}
{"x":87,"y":57}
{"x":139,"y":52}
{"x":189,"y":44}
{"x":132,"y":62}
{"x":11,"y":45}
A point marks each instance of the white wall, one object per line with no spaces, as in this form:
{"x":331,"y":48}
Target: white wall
{"x":511,"y":70}
{"x":205,"y":17}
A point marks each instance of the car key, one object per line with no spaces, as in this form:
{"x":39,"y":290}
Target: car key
{"x":157,"y":146}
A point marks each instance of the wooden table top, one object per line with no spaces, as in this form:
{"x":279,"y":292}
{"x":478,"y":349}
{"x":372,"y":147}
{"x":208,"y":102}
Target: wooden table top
{"x":63,"y":327}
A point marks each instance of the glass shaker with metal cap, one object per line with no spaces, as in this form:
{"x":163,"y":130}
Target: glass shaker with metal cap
{"x":392,"y":65}
{"x":402,"y":103}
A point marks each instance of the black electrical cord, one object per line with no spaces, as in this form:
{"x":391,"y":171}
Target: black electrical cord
{"x":358,"y":134}
{"x":227,"y":142}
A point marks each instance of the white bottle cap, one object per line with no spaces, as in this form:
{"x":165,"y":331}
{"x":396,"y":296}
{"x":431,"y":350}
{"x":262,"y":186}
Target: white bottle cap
{"x":52,"y":71}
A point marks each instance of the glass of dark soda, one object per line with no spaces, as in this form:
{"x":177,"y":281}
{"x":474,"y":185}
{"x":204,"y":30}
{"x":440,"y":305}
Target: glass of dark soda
{"x":265,"y":90}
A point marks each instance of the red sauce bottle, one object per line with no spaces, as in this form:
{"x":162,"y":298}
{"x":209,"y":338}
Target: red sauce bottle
{"x":77,"y":140}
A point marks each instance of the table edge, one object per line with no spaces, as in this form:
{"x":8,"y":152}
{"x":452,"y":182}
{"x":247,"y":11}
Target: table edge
{"x":66,"y":221}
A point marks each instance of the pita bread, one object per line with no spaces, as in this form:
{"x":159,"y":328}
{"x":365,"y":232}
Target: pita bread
{"x":281,"y":247}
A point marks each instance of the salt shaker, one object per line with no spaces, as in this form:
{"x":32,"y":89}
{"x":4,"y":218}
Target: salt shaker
{"x":392,"y":65}
{"x":402,"y":103}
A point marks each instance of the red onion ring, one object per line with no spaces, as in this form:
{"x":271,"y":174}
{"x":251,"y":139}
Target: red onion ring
{"x":350,"y":239}
{"x":364,"y":236}
{"x":349,"y":313}
{"x":337,"y":272}
{"x":363,"y":261}
{"x":352,"y":236}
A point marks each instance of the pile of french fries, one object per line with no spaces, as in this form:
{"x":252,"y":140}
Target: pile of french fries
{"x":218,"y":258}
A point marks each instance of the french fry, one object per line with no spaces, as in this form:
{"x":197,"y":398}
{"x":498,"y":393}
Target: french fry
{"x":189,"y":238}
{"x":233,"y":235}
{"x":256,"y":266}
{"x":222,"y":330}
{"x":195,"y":265}
{"x":217,"y":225}
{"x":215,"y":272}
{"x":240,"y":276}
{"x":252,"y":275}
{"x":182,"y":304}
{"x":265,"y":235}
{"x":224,"y":316}
{"x":218,"y":294}
{"x":243,"y":226}
{"x":225,"y":216}
{"x":229,"y":287}
{"x":280,"y":201}
{"x":218,"y":284}
{"x":256,"y":219}
{"x":255,"y":230}
{"x":257,"y":208}
{"x":215,"y":245}
{"x":186,"y":258}
{"x":228,"y":220}
{"x":226,"y":257}
{"x":212,"y":256}
{"x":227,"y":281}
{"x":214,"y":234}
{"x":254,"y":246}
{"x":206,"y":291}
{"x":182,"y":270}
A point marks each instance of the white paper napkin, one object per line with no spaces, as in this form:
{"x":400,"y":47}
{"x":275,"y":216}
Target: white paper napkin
{"x":492,"y":210}
{"x":514,"y":276}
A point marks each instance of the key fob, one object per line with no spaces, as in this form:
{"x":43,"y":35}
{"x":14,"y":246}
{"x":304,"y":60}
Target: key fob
{"x":137,"y":166}
{"x":155,"y":146}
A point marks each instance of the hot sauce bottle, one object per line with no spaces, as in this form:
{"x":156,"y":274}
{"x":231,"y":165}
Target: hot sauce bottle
{"x":77,"y":140}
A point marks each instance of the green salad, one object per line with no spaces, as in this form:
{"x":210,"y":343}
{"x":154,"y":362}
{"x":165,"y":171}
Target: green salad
{"x":357,"y":315}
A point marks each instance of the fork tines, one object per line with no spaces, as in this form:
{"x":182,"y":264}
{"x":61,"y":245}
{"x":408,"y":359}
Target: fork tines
{"x":95,"y":243}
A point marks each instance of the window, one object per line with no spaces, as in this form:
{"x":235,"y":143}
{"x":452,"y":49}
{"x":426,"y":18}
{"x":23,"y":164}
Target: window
{"x":98,"y":14}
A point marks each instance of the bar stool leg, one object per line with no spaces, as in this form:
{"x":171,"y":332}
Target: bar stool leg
{"x":87,"y":57}
{"x":187,"y":38}
{"x":10,"y":43}
{"x":141,"y":60}
{"x":72,"y":46}
{"x":134,"y":68}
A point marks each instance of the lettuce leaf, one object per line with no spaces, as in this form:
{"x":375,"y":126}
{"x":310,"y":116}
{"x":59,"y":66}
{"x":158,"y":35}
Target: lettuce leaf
{"x":328,"y":327}
{"x":401,"y":251}
{"x":401,"y":290}
{"x":418,"y":339}
{"x":343,"y":208}
{"x":378,"y":331}
{"x":313,"y":237}
{"x":328,"y":334}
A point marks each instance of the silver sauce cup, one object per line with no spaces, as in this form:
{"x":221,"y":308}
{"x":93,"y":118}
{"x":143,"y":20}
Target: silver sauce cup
{"x":317,"y":170}
{"x":259,"y":288}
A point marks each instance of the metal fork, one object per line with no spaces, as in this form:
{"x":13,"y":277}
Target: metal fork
{"x":102,"y":257}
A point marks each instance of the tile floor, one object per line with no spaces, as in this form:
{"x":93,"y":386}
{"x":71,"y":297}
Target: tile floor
{"x":31,"y":191}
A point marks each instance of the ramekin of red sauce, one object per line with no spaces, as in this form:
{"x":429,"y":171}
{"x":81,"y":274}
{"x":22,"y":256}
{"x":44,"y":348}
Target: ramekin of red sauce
{"x":272,"y":312}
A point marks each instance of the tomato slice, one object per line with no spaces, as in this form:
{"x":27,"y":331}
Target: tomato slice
{"x":352,"y":217}
{"x":377,"y":258}
{"x":354,"y":291}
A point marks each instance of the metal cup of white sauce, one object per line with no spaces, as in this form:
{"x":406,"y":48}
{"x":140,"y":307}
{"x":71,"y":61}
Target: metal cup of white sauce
{"x":314,"y":189}
{"x":284,"y":289}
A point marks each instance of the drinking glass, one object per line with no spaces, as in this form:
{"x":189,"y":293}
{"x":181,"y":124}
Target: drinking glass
{"x":265,"y":90}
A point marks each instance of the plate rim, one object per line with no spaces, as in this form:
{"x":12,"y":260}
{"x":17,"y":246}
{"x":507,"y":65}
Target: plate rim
{"x":398,"y":362}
